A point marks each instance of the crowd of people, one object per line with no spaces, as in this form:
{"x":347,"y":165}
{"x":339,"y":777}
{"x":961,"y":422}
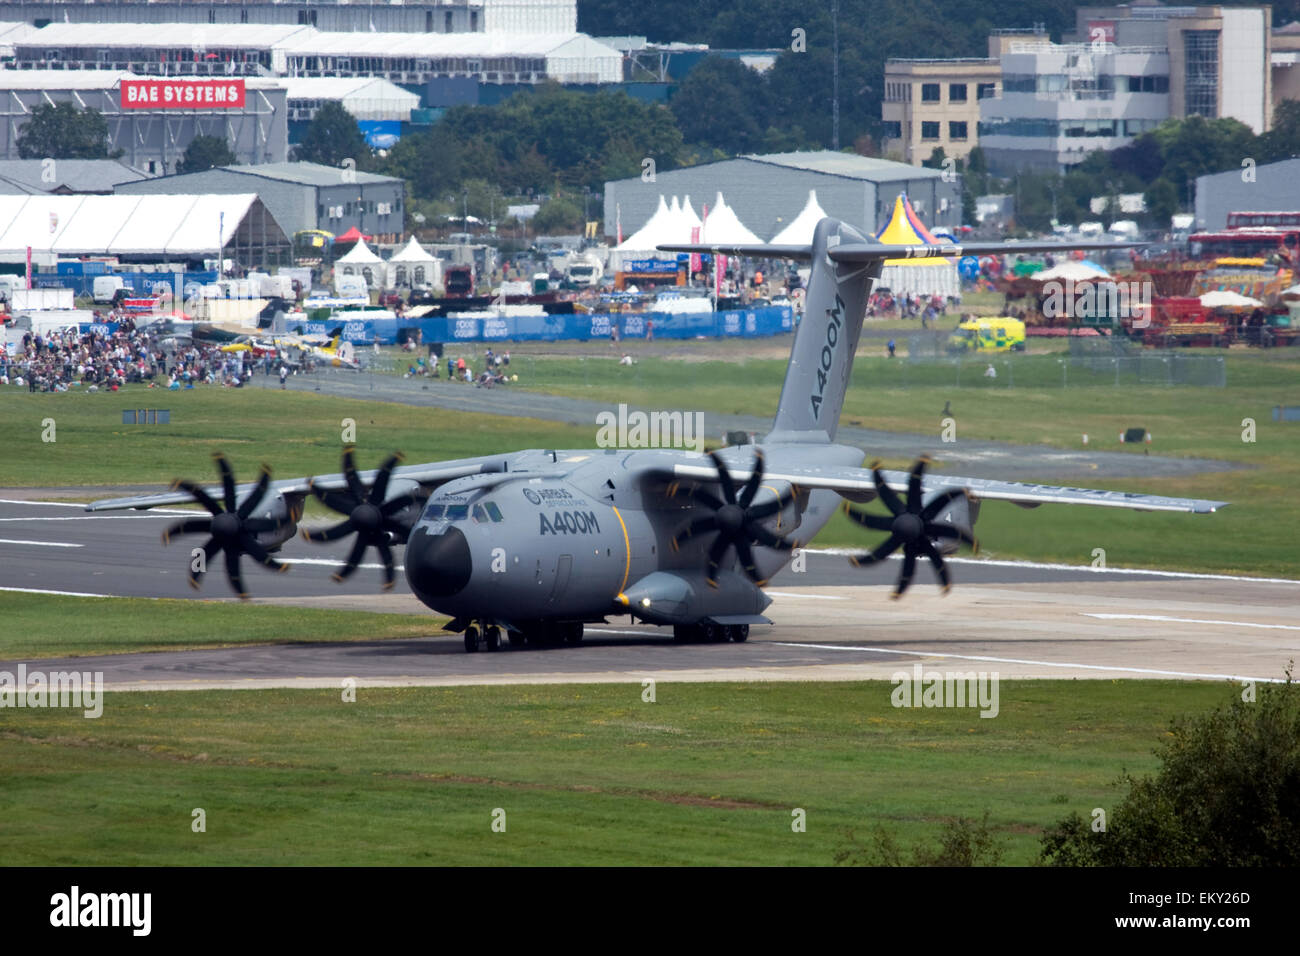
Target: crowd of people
{"x":459,"y":369}
{"x":910,"y":306}
{"x":57,"y":361}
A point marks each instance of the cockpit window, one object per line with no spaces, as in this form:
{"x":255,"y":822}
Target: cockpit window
{"x":449,"y":512}
{"x":480,"y":515}
{"x":493,"y":511}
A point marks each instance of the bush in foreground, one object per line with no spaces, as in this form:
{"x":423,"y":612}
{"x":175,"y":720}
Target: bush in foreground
{"x":1227,"y":794}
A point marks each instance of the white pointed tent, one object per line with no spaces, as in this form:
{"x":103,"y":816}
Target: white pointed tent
{"x":412,"y":266}
{"x":724,"y":227}
{"x":691,"y":218}
{"x":362,"y":261}
{"x":799,"y":231}
{"x":651,"y":234}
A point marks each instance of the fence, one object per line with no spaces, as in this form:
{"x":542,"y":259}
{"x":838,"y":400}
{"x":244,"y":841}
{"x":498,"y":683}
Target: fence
{"x":1108,"y":361}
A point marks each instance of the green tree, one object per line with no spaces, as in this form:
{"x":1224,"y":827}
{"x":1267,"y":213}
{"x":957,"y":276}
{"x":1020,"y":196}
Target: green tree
{"x":1227,"y":794}
{"x":724,"y":104}
{"x":1162,"y":202}
{"x":333,"y":137}
{"x":61,"y":131}
{"x":557,"y":216}
{"x":1283,"y":140}
{"x":205,"y":152}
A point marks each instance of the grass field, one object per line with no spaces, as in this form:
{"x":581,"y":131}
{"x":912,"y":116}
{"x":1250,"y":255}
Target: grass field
{"x":297,"y":433}
{"x":300,"y":434}
{"x":591,"y":774}
{"x":45,"y":625}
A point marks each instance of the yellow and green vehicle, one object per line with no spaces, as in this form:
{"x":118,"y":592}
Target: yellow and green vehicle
{"x":999,"y":334}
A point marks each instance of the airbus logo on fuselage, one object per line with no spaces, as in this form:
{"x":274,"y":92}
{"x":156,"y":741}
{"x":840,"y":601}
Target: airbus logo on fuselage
{"x":828,"y":353}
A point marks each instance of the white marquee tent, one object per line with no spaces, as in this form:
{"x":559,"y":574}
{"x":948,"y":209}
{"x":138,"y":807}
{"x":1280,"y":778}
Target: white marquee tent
{"x":137,"y":226}
{"x":724,"y":227}
{"x":362,"y":261}
{"x":412,"y":265}
{"x":799,"y":231}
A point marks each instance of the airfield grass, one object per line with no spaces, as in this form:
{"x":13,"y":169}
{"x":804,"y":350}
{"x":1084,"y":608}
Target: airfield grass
{"x":585,"y":774}
{"x":300,"y":434}
{"x":297,"y":433}
{"x":47,"y":625}
{"x":1250,"y":537}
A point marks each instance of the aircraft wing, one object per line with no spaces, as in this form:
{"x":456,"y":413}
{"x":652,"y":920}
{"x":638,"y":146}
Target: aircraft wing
{"x":432,"y":474}
{"x":859,"y":483}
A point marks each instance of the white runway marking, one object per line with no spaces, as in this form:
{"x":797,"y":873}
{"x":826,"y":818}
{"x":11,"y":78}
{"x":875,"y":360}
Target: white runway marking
{"x":64,"y":593}
{"x":1017,"y":660}
{"x":66,"y":504}
{"x":818,"y":597}
{"x":41,"y":544}
{"x":334,"y":563}
{"x":141,"y":517}
{"x":988,"y":562}
{"x":1190,"y":620}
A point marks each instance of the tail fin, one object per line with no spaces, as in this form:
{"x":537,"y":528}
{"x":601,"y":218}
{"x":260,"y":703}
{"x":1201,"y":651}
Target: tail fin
{"x":845,"y":266}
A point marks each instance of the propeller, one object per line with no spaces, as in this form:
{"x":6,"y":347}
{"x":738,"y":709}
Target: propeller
{"x":736,"y":519}
{"x":230,"y":528}
{"x":911,"y":526}
{"x":369,"y":516}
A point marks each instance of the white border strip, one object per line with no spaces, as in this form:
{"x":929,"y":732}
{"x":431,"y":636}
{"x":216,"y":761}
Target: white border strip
{"x":1017,"y":660}
{"x":989,"y":562}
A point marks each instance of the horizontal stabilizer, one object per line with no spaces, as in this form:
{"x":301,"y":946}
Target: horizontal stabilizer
{"x":871,"y":251}
{"x":749,"y":250}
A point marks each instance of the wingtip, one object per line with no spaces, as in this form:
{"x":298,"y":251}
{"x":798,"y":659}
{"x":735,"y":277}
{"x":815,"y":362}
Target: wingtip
{"x":336,"y":578}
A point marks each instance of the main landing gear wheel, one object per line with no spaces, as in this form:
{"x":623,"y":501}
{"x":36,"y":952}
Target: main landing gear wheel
{"x":517,"y":638}
{"x":572,"y":633}
{"x":471,"y":639}
{"x":738,"y":632}
{"x":492,"y":637}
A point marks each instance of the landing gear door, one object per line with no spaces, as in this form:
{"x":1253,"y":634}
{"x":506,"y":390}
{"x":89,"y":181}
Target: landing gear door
{"x":563,"y":567}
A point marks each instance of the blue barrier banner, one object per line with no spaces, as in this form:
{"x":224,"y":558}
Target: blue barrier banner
{"x":771,"y":320}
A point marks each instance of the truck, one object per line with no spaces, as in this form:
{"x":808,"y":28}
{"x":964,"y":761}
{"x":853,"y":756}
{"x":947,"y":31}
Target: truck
{"x":104,"y":288}
{"x":583,"y":272}
{"x":458,"y":281}
{"x":999,"y":334}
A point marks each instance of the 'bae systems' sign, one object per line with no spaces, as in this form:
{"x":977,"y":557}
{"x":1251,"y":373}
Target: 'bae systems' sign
{"x":182,"y":94}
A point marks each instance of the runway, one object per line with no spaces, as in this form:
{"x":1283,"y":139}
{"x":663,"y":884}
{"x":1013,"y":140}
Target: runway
{"x":830,"y":622}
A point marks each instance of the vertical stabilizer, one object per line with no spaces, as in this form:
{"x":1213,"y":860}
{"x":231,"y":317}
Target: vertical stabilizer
{"x":821,"y":358}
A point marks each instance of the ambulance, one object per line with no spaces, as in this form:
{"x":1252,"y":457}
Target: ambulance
{"x":999,"y":334}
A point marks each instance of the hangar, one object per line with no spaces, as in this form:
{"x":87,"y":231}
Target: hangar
{"x":768,"y":192}
{"x":152,"y":138}
{"x":301,"y":195}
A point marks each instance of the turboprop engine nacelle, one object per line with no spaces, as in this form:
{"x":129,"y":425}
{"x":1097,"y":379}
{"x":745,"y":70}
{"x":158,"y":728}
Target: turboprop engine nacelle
{"x":686,"y":597}
{"x":961,"y":513}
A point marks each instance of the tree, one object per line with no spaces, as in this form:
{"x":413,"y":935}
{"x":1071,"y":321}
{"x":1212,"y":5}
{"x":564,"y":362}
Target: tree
{"x":556,"y":216}
{"x":1227,"y":794}
{"x":61,"y":131}
{"x":333,"y":137}
{"x":723,"y":103}
{"x":1283,"y":140}
{"x":205,"y":152}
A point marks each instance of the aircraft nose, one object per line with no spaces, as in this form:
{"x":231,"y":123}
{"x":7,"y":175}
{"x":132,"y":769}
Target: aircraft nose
{"x":438,"y":565}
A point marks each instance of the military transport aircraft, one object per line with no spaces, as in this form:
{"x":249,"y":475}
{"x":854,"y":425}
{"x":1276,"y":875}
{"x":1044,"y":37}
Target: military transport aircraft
{"x":531,"y":545}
